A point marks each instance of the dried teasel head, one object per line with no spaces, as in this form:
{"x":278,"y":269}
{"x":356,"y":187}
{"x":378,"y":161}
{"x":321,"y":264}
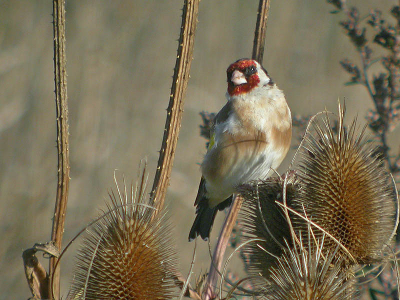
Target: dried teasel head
{"x":309,"y":272}
{"x":284,"y":263}
{"x":346,"y":191}
{"x":263,"y":220}
{"x":127,"y":254}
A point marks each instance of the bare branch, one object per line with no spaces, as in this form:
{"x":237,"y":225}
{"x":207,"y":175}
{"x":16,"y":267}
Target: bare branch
{"x":175,"y":107}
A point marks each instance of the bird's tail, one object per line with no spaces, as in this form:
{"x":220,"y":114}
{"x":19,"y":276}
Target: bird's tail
{"x":205,"y":216}
{"x":204,"y":220}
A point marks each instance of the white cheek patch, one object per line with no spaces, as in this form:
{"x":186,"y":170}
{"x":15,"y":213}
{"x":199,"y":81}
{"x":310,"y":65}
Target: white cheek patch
{"x":238,"y":78}
{"x":264,"y":79}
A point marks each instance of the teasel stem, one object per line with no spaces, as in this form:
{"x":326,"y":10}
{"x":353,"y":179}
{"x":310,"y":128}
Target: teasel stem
{"x":261,"y":28}
{"x":219,"y":251}
{"x":60,"y":78}
{"x":176,"y":101}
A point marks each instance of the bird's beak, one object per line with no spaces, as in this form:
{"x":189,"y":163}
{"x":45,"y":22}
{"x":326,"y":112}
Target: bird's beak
{"x":238,"y":78}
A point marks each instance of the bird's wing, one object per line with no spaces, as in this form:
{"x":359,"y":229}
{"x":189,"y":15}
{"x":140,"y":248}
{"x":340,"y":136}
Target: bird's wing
{"x":221,"y":117}
{"x":224,"y":113}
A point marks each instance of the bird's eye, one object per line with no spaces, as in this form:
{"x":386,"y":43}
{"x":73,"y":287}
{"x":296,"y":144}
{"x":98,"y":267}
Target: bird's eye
{"x":250,"y":70}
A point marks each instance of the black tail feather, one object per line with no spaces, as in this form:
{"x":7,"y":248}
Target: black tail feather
{"x":205,"y":218}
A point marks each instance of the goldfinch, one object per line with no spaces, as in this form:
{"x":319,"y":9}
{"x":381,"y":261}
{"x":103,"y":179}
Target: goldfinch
{"x":250,"y":137}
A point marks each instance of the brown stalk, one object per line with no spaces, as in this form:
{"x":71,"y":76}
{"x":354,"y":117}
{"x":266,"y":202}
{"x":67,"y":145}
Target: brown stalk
{"x":175,"y":107}
{"x":230,"y":220}
{"x":60,"y":80}
{"x":219,"y":251}
{"x":261,"y":28}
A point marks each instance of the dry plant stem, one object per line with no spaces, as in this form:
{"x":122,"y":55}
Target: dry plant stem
{"x":219,"y":251}
{"x":184,"y":283}
{"x":175,"y":107}
{"x":60,"y":78}
{"x":261,"y":27}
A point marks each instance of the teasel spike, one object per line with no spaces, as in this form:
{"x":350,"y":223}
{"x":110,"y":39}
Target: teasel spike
{"x":128,"y":253}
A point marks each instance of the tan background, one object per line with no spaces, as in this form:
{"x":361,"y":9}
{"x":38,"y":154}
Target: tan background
{"x":121,"y":56}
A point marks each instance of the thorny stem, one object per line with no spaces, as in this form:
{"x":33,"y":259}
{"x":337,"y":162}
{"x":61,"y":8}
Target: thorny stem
{"x":261,"y":27}
{"x":60,"y":79}
{"x":175,"y":107}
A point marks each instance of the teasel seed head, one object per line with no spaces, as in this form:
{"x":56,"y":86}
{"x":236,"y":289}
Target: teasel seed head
{"x":262,"y":219}
{"x":127,"y":254}
{"x":284,"y":263}
{"x":346,"y":191}
{"x":307,"y":272}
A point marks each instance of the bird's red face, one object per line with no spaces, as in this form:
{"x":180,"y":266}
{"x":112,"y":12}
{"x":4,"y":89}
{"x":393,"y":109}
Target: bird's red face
{"x":242,"y":77}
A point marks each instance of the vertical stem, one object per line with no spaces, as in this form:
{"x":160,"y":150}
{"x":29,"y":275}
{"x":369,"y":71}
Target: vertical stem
{"x":175,"y":107}
{"x":60,"y":79}
{"x":219,"y":251}
{"x":261,"y":28}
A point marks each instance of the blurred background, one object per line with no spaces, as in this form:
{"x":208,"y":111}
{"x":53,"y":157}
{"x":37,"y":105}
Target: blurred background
{"x":120,"y":59}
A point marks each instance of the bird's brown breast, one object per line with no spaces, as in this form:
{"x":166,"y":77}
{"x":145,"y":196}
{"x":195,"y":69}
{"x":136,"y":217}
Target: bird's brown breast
{"x":231,"y":148}
{"x":250,"y":132}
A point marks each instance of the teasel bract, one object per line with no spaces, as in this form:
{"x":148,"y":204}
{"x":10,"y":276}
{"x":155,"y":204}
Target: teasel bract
{"x":338,"y":200}
{"x":127,"y":253}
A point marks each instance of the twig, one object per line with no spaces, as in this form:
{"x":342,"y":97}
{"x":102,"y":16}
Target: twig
{"x":261,"y":27}
{"x":175,"y":107}
{"x":60,"y":79}
{"x":184,"y":283}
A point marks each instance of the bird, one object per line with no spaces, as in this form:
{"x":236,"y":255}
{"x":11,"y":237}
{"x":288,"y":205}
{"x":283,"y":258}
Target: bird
{"x":249,"y":138}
